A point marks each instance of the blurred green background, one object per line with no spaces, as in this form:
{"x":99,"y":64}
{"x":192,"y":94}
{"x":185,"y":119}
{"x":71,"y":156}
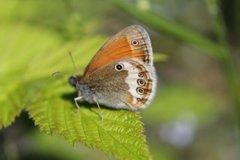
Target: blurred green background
{"x":195,"y":114}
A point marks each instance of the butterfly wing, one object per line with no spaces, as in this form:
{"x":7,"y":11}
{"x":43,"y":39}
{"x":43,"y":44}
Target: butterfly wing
{"x":142,"y":83}
{"x":131,"y":88}
{"x":134,"y":86}
{"x":131,"y":42}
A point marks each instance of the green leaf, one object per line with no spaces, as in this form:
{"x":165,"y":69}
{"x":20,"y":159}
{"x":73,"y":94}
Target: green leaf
{"x":9,"y":103}
{"x":120,"y":133}
{"x":15,"y":58}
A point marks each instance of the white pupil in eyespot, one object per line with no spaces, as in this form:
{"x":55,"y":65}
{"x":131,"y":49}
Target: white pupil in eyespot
{"x":140,"y":90}
{"x":141,"y":82}
{"x":119,"y":67}
{"x":134,"y":42}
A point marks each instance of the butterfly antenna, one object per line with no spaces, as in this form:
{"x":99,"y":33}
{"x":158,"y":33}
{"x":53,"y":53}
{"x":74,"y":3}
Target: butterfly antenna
{"x":73,"y":62}
{"x":56,"y":74}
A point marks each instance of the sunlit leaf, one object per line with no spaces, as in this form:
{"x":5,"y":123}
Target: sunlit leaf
{"x":119,"y":133}
{"x":16,"y":56}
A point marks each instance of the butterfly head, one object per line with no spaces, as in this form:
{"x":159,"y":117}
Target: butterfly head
{"x":74,"y":80}
{"x":83,"y":88}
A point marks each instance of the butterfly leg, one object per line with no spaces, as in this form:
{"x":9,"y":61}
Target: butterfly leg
{"x":101,"y":113}
{"x":76,"y":101}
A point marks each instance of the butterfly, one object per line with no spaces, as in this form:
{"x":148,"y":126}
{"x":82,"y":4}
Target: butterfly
{"x":121,"y":75}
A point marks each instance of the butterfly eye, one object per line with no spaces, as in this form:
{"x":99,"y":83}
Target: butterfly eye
{"x":119,"y":67}
{"x":135,"y":42}
{"x":140,"y":90}
{"x":73,"y":81}
{"x":141,"y":82}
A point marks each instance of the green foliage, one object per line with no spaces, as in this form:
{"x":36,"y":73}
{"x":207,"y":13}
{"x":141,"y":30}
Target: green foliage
{"x":119,"y":133}
{"x":15,"y":60}
{"x":10,"y":106}
{"x":173,"y":29}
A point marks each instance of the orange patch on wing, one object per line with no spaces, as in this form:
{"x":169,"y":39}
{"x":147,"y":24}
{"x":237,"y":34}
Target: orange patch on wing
{"x":122,"y":46}
{"x":113,"y":51}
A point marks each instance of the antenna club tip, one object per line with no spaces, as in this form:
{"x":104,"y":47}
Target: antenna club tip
{"x":56,"y":73}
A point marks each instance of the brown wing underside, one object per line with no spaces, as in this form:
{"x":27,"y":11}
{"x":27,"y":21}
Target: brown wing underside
{"x":132,"y":42}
